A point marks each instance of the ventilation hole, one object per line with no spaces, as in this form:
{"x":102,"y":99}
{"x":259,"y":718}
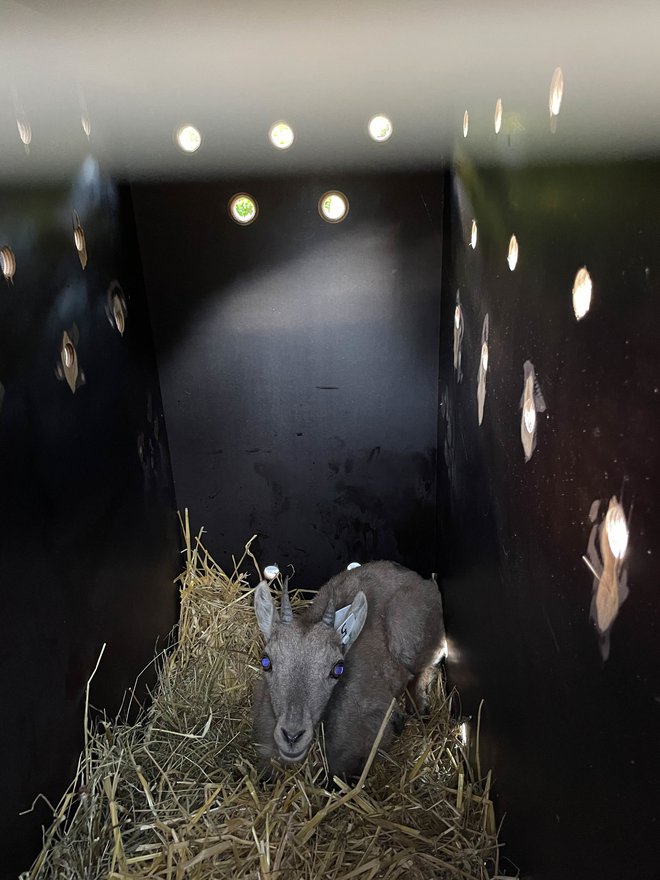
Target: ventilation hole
{"x":457,"y":317}
{"x":243,"y":209}
{"x":380,"y":129}
{"x":466,"y":124}
{"x":498,"y":116}
{"x":333,"y":206}
{"x":484,"y":357}
{"x":8,"y":264}
{"x":473,"y":235}
{"x":188,"y":138}
{"x":556,"y":92}
{"x":616,"y":529}
{"x":120,"y":319}
{"x":582,"y":293}
{"x":116,"y":309}
{"x":86,"y":125}
{"x":512,"y":258}
{"x":79,"y":240}
{"x":529,"y":416}
{"x":281,"y":135}
{"x":68,"y":354}
{"x":24,"y":131}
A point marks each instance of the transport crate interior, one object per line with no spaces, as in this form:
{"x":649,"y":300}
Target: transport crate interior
{"x":356,"y":295}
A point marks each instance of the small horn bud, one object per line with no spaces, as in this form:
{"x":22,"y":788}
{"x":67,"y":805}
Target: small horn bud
{"x":329,"y":613}
{"x":286,"y":612}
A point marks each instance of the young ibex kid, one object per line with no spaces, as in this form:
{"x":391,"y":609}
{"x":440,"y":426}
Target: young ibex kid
{"x":370,"y":633}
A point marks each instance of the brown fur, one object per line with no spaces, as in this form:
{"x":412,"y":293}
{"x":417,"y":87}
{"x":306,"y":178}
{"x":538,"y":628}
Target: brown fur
{"x":396,"y":649}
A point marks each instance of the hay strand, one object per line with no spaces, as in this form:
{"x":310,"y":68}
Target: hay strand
{"x":179,"y":794}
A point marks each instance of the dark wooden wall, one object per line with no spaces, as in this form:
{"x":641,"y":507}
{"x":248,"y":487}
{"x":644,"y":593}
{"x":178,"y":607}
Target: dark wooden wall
{"x":88,"y":538}
{"x":299,"y":364}
{"x":572,"y":737}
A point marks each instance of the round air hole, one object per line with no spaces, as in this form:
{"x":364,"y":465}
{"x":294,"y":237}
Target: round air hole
{"x":498,"y":116}
{"x":120,"y":319}
{"x":556,"y":92}
{"x":24,"y":131}
{"x":473,"y":235}
{"x":68,"y":354}
{"x":529,"y":416}
{"x":582,"y":288}
{"x":188,"y":138}
{"x":79,"y":238}
{"x":7,"y":263}
{"x":457,"y":317}
{"x":380,"y":128}
{"x":243,"y":209}
{"x":484,"y":357}
{"x":512,"y":257}
{"x":616,"y":529}
{"x":333,"y":206}
{"x":466,"y":124}
{"x":281,"y":135}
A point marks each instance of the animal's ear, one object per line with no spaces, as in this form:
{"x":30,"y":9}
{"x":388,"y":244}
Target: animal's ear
{"x":351,"y":627}
{"x":264,"y":608}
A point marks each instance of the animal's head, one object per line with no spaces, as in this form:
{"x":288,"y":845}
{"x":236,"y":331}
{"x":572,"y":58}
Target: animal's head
{"x":302,"y":663}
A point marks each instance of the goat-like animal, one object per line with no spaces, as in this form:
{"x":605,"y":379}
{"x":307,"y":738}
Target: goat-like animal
{"x":370,"y":633}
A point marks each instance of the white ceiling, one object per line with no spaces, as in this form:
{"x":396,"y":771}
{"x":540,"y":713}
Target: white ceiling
{"x":233,"y":68}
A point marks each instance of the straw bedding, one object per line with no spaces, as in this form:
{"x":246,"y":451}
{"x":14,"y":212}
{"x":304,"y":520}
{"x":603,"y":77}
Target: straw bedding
{"x":178,"y":794}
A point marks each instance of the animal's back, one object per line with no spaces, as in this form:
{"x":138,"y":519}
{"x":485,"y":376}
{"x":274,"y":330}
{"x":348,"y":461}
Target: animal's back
{"x":400,"y":639}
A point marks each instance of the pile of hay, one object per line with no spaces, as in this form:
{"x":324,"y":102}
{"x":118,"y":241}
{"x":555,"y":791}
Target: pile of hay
{"x":177,"y":794}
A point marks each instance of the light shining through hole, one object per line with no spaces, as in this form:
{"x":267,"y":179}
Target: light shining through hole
{"x":188,"y":138}
{"x":464,"y":733}
{"x":79,"y":238}
{"x":512,"y":258}
{"x":582,"y":293}
{"x":529,"y":416}
{"x":457,"y":317}
{"x":24,"y":131}
{"x":498,"y":116}
{"x":243,"y":209}
{"x":556,"y":92}
{"x":466,"y":124}
{"x":473,"y":235}
{"x":67,"y":354}
{"x":380,"y":129}
{"x":333,"y":206}
{"x":484,"y":357}
{"x":617,"y":530}
{"x":281,"y":135}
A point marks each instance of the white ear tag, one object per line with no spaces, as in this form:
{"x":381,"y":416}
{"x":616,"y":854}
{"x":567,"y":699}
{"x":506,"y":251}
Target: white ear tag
{"x":340,"y":616}
{"x":346,"y":629}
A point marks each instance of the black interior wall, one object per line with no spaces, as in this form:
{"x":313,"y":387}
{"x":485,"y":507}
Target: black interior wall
{"x":573,"y":738}
{"x":299,"y":364}
{"x":88,"y":538}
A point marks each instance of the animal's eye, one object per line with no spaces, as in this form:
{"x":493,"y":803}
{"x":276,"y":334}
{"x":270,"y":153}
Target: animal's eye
{"x":265,"y":663}
{"x":337,"y":670}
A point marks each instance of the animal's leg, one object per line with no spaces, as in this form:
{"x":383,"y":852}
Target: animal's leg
{"x":417,"y":696}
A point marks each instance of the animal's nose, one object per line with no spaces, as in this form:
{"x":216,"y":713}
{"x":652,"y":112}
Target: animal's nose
{"x":292,"y":738}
